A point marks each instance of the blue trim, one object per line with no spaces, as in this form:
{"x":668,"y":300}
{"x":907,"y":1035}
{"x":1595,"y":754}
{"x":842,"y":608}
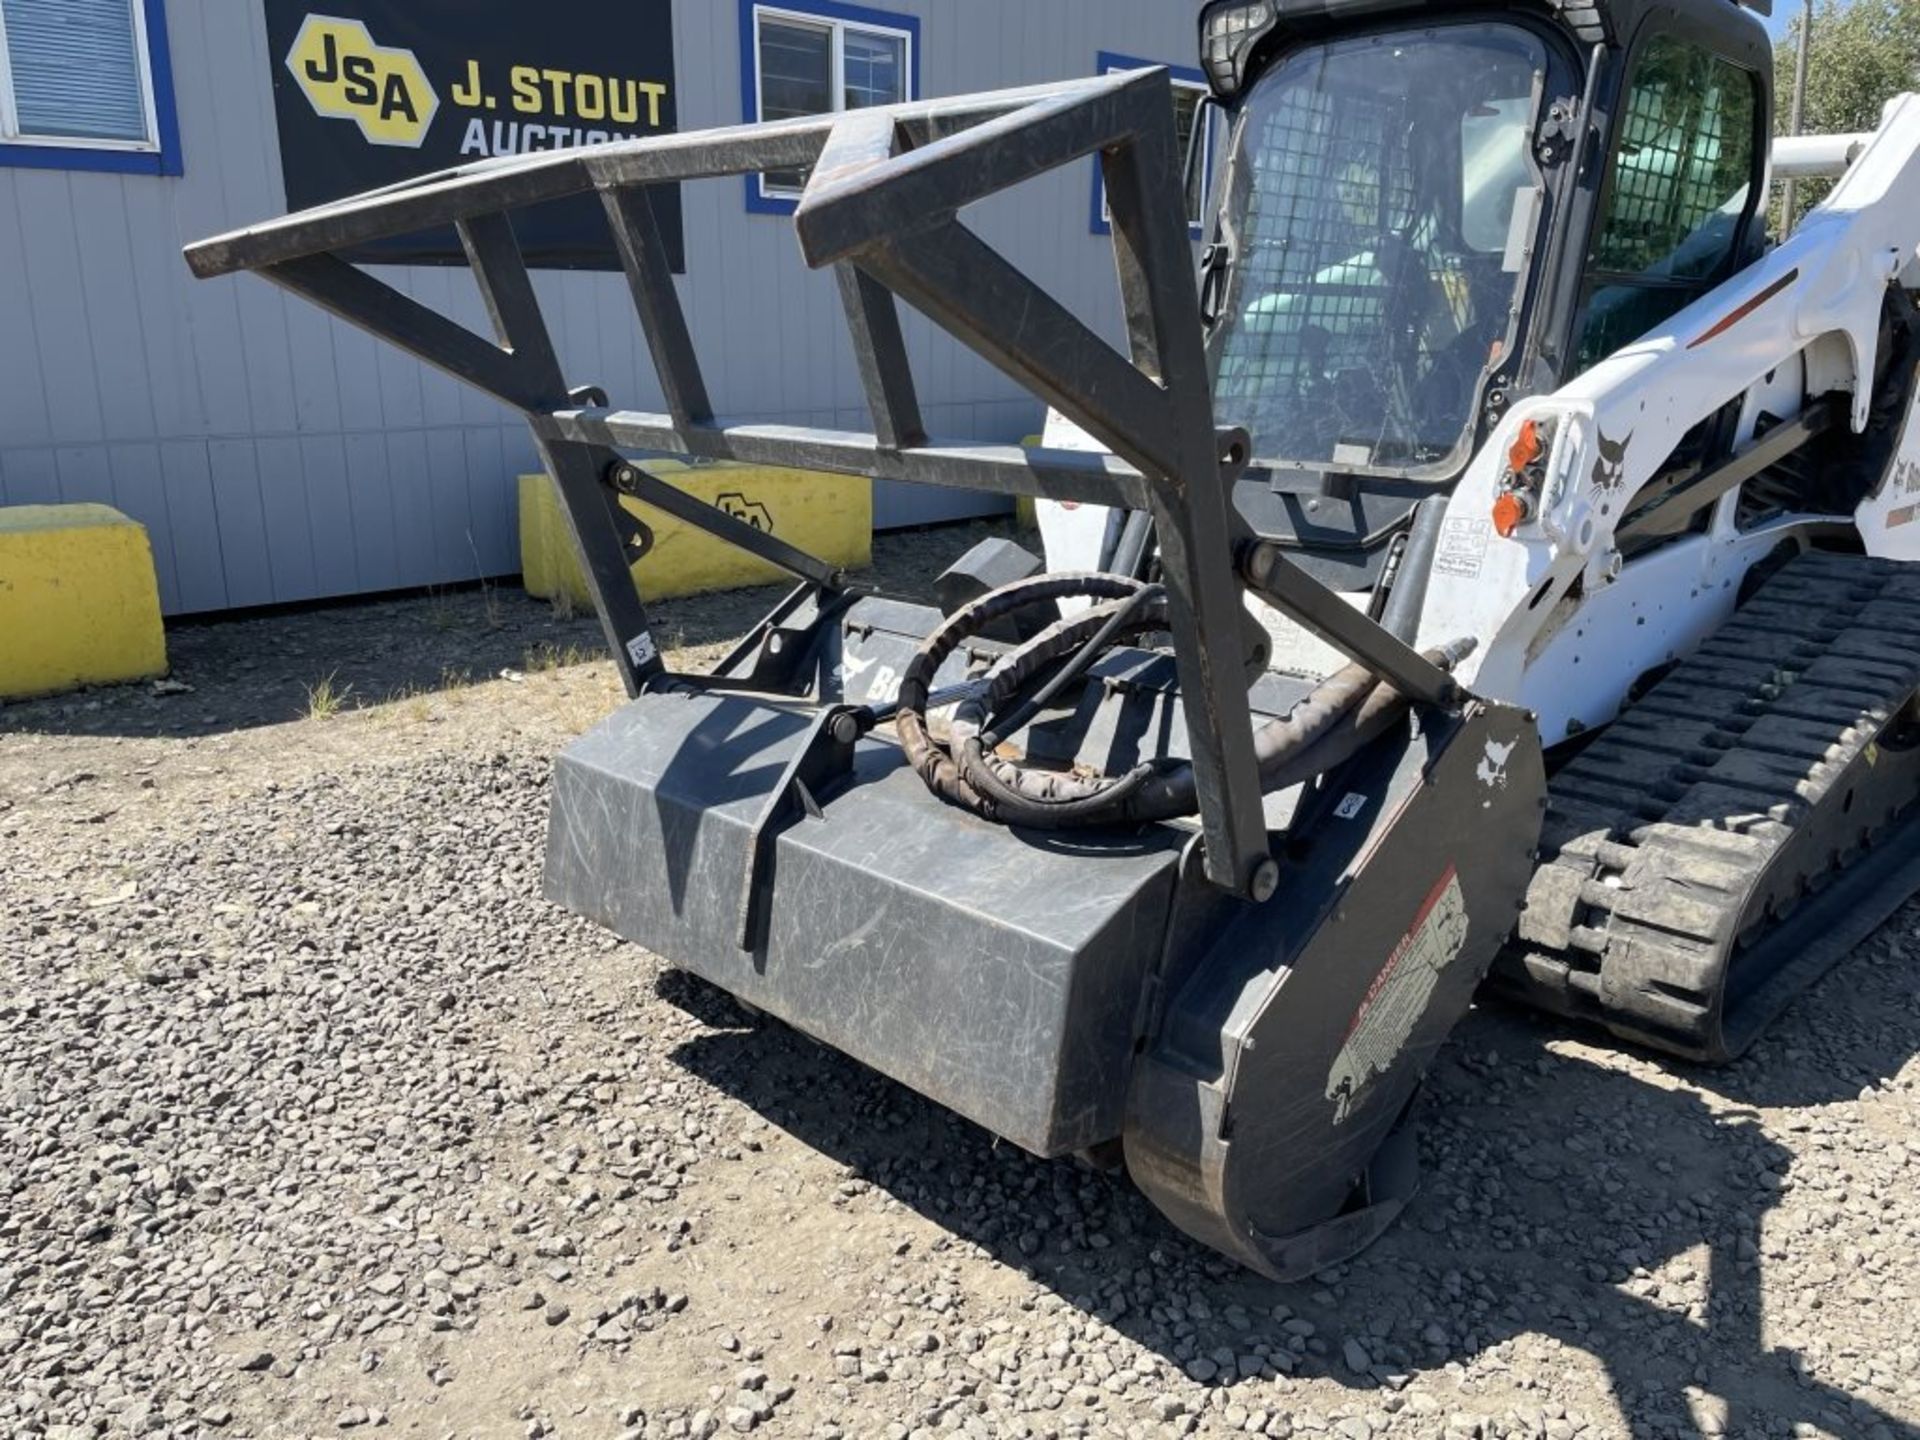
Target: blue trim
{"x":166,"y":113}
{"x":1105,"y":61}
{"x":757,"y":203}
{"x":165,"y":161}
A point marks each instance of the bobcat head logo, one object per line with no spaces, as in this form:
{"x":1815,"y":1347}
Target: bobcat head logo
{"x":1610,"y":468}
{"x":1492,"y":769}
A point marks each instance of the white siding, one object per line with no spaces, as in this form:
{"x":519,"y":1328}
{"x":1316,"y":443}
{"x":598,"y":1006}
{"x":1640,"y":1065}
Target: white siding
{"x":275,"y":455}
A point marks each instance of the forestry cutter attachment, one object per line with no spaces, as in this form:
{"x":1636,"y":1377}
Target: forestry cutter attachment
{"x":1085,"y":873}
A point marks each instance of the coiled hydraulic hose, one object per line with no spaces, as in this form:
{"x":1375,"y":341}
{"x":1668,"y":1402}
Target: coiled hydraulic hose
{"x":1344,"y":713}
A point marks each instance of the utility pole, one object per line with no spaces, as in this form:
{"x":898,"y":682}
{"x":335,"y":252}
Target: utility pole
{"x":1799,"y":108}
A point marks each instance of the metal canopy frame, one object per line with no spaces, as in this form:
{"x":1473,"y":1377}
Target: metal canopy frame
{"x":881,"y":207}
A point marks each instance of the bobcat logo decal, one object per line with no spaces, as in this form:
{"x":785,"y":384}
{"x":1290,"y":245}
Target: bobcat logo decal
{"x":1610,"y":466}
{"x":1492,"y":769}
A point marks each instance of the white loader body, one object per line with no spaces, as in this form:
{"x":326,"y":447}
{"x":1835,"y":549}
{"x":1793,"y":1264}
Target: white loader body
{"x":1566,"y":625}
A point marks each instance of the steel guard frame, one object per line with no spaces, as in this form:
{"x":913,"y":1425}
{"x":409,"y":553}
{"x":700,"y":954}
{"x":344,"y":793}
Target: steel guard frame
{"x":881,"y":207}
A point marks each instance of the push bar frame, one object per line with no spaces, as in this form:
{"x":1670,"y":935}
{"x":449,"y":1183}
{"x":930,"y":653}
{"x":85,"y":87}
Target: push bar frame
{"x":880,"y":206}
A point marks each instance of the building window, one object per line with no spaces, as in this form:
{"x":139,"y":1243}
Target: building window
{"x":1189,"y":89}
{"x":810,"y":57}
{"x":84,"y":85}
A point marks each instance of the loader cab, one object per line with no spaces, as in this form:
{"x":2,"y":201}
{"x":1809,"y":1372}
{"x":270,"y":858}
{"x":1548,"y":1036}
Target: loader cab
{"x":1429,"y":211}
{"x":1380,"y":209}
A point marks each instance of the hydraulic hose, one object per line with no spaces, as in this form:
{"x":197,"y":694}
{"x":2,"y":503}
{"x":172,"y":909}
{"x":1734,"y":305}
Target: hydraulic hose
{"x":1342,"y":715}
{"x":1126,"y":613}
{"x":1409,"y":593}
{"x":931,"y":761}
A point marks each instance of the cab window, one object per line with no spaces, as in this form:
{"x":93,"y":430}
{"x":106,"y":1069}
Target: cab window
{"x":1676,"y":192}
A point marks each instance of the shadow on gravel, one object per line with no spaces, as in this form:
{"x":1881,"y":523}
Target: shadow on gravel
{"x":266,"y":667}
{"x":269,"y":667}
{"x":1562,"y":1271}
{"x":1796,"y":1063}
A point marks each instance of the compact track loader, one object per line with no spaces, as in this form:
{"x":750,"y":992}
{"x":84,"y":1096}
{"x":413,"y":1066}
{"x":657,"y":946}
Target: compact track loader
{"x":1495,"y":562}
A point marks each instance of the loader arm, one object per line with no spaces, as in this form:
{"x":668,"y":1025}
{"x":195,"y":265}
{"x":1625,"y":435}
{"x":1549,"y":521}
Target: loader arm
{"x":1808,"y":320}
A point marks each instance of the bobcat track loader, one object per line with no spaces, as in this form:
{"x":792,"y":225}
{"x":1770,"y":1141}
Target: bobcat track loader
{"x":1493,"y":564}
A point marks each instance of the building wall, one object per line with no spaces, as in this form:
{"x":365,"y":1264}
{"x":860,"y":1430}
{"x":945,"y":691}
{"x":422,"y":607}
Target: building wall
{"x":276,"y":455}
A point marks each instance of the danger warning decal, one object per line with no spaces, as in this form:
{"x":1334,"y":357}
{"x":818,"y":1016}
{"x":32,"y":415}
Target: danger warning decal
{"x":1398,"y":996}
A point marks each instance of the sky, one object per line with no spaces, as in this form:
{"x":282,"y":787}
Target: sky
{"x":1785,"y":10}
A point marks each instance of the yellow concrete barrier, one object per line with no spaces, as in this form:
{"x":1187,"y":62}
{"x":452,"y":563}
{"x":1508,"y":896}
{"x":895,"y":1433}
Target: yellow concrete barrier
{"x":78,"y":601}
{"x":827,"y":515}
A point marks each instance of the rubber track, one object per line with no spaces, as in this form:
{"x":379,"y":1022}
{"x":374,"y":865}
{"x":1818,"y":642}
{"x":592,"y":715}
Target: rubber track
{"x":1749,"y":778}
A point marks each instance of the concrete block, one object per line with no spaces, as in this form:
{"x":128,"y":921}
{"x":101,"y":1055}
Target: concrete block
{"x":827,"y":515}
{"x":78,"y":601}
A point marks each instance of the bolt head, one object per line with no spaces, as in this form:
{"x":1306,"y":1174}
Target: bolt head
{"x":1264,"y":881}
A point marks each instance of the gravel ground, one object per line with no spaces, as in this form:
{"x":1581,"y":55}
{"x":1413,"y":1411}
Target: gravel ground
{"x":315,"y":1119}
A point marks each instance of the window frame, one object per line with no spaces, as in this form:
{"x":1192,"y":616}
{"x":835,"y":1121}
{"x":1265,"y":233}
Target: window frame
{"x":158,"y":154}
{"x":1651,"y":31}
{"x":838,"y":19}
{"x":1184,"y":77}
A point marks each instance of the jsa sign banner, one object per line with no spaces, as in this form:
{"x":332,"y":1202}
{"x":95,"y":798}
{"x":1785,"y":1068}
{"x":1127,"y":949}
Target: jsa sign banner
{"x":370,"y":92}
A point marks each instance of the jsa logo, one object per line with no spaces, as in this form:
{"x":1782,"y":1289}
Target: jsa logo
{"x":345,"y":76}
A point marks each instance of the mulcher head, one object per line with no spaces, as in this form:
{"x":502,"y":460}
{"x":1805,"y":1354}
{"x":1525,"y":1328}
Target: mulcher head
{"x":1083,"y":872}
{"x":1066,"y":990}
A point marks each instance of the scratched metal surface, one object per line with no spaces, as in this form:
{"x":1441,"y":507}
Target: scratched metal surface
{"x":994,"y":971}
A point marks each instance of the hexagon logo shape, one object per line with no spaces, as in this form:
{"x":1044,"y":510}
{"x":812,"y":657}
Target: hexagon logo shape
{"x":345,"y":75}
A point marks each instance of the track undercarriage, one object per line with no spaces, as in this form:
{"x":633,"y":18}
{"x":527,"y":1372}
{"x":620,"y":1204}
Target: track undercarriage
{"x":1744,"y":824}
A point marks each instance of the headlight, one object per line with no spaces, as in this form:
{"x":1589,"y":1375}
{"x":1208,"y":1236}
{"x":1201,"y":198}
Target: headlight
{"x":1228,"y":33}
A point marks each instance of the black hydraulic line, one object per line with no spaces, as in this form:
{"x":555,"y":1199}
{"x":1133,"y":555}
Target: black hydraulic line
{"x":872,"y":715}
{"x":1127,"y":611}
{"x":929,"y":760}
{"x":1347,"y":711}
{"x":1379,"y":712}
{"x":1050,"y":799}
{"x":1135,"y":544}
{"x":1344,"y":713}
{"x":1409,"y":593}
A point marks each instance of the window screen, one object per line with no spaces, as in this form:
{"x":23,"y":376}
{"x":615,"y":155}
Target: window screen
{"x":809,"y":66}
{"x":1368,"y":293}
{"x":875,"y":69}
{"x":1676,"y":193}
{"x":76,"y":70}
{"x":796,"y":78}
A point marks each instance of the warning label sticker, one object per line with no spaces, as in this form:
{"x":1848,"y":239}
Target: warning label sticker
{"x":1398,"y":996}
{"x":1463,"y":546}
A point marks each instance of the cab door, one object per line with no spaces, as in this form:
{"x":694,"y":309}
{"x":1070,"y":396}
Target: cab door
{"x":1679,"y":203}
